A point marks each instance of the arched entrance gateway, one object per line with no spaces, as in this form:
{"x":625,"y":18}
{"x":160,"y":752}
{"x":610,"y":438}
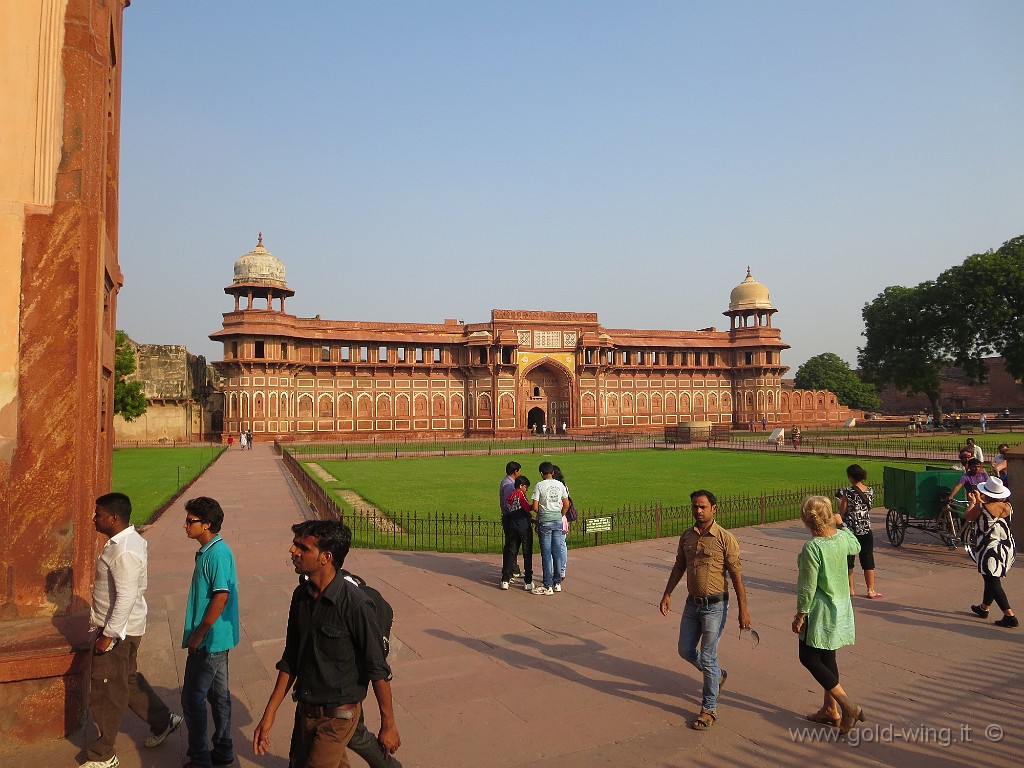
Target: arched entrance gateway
{"x":545,"y":396}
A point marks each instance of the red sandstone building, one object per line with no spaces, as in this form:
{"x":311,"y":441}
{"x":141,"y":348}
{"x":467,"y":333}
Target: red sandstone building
{"x":290,"y":377}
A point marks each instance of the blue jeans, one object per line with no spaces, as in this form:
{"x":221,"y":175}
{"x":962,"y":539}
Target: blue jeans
{"x":703,"y":625}
{"x":206,"y":679}
{"x":552,"y":537}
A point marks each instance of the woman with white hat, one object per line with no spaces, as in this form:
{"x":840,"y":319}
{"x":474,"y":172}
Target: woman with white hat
{"x":993,"y":548}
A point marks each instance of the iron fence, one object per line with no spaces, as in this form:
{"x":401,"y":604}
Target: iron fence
{"x":856,"y":445}
{"x":412,"y":448}
{"x":451,"y":532}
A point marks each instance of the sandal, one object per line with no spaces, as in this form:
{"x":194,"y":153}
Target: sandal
{"x":875,"y":595}
{"x":704,"y":720}
{"x":847,"y":723}
{"x":821,"y":716}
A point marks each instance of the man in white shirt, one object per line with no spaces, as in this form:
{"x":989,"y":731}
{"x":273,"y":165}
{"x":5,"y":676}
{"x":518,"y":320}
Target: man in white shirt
{"x":119,"y":616}
{"x":975,"y":450}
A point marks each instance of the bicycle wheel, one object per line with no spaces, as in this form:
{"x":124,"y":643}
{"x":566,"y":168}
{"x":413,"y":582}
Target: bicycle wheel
{"x":968,"y":531}
{"x":948,"y":528}
{"x":895,"y":526}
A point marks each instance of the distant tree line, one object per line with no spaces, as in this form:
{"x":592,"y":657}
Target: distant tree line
{"x":969,"y":312}
{"x":831,"y":372}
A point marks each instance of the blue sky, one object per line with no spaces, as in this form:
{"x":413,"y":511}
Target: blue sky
{"x":412,"y":161}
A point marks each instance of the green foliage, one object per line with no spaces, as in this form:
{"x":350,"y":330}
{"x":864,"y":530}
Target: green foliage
{"x":152,"y":476}
{"x":971,"y":311}
{"x":905,"y":343}
{"x":984,"y":305}
{"x":129,"y":400}
{"x":829,"y":371}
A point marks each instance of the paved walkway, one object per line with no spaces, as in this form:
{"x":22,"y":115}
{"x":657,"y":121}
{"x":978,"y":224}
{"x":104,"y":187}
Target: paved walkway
{"x":590,"y":677}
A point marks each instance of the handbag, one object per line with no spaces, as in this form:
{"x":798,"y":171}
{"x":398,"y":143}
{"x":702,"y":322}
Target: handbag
{"x":571,"y":515}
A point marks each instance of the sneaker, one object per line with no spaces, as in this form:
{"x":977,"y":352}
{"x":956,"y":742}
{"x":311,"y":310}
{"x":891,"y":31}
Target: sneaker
{"x":504,"y":585}
{"x":542,"y":590}
{"x":156,"y":739}
{"x":1007,"y":621}
{"x":528,"y":586}
{"x":558,"y":587}
{"x":979,"y":611}
{"x":111,"y":763}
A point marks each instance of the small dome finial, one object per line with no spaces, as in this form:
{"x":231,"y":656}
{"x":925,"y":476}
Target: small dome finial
{"x":749,"y":275}
{"x":260,"y":243}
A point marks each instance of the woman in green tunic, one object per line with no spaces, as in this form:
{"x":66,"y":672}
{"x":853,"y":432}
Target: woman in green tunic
{"x":824,"y":613}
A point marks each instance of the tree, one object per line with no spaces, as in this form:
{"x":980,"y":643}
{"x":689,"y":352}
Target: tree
{"x":985,"y":298}
{"x":970,"y":312}
{"x":129,"y":400}
{"x":905,"y":342}
{"x":829,"y":371}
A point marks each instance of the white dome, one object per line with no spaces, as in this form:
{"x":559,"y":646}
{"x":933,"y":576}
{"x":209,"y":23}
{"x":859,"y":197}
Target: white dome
{"x":259,"y":266}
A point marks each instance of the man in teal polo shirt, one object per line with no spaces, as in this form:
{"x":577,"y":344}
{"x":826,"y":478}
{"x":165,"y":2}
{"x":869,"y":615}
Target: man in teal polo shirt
{"x":211,"y":630}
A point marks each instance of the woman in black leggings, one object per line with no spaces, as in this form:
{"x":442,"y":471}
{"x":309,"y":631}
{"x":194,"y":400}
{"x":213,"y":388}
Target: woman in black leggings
{"x":993,"y":546}
{"x":824,"y":618}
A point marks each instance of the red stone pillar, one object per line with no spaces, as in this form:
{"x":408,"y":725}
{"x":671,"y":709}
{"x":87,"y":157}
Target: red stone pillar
{"x":57,"y":457}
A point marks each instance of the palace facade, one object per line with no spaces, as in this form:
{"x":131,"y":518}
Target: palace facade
{"x":291,"y":377}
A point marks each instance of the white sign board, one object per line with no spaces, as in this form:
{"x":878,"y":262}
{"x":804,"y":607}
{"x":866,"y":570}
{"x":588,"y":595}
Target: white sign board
{"x":597,"y":524}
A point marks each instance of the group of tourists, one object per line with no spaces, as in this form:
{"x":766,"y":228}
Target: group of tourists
{"x":334,"y":648}
{"x":547,"y":510}
{"x":336,"y":639}
{"x":708,"y":554}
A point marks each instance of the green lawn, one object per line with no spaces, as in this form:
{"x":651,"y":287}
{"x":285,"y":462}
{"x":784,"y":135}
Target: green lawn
{"x":598,"y":481}
{"x":152,"y":476}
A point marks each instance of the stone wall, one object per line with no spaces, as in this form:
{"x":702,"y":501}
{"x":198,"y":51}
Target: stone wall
{"x":180,"y":390}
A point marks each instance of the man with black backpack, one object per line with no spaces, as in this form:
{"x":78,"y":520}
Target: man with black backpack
{"x":334,"y":647}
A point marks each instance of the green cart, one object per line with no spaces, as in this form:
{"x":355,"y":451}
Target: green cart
{"x":917,"y":499}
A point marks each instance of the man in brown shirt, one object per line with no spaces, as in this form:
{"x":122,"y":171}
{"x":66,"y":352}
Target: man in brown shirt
{"x":706,"y":553}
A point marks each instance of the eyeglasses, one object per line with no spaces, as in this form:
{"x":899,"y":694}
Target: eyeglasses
{"x":192,"y":520}
{"x":753,"y":636}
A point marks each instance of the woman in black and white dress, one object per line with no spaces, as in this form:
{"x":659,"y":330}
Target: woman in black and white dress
{"x":992,"y":547}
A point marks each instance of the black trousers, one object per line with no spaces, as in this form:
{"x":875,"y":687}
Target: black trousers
{"x":994,"y":592}
{"x":518,"y":534}
{"x":821,"y":664}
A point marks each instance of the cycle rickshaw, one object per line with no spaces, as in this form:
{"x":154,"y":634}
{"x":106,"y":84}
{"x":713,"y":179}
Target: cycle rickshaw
{"x":917,"y":499}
